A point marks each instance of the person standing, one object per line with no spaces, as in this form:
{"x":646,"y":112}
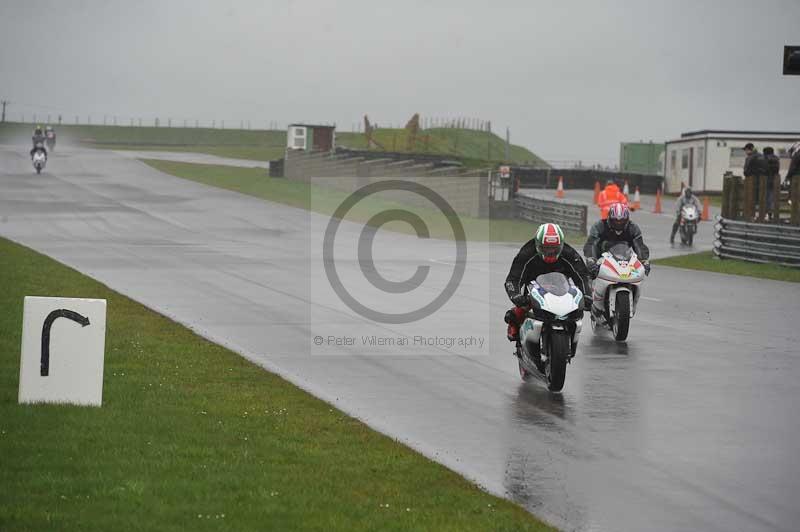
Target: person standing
{"x":773,"y":165}
{"x":794,"y":165}
{"x":754,"y":166}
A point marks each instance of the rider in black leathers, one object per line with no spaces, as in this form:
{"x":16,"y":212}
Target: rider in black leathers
{"x":530,"y":263}
{"x":616,"y":228}
{"x":38,"y":139}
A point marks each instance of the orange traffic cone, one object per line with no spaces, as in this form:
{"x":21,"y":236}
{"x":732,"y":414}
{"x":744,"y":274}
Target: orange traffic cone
{"x":625,"y":189}
{"x":596,"y":198}
{"x":560,"y":188}
{"x":637,"y":201}
{"x":657,"y":208}
{"x":706,"y":210}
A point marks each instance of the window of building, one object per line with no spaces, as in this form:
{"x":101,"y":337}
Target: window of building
{"x":299,"y":132}
{"x":299,"y":143}
{"x":701,"y":156}
{"x":737,"y":157}
{"x":685,"y":158}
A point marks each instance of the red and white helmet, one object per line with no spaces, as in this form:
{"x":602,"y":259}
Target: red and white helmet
{"x":619,"y":216}
{"x":549,"y":242}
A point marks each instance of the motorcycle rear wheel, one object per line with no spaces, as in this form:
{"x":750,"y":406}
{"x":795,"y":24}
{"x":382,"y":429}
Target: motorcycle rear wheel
{"x":622,"y":317}
{"x":556,"y":369}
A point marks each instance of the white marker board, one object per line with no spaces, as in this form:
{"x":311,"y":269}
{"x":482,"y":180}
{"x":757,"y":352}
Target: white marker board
{"x":63,"y":348}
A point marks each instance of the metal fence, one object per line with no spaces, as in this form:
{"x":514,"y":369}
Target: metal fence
{"x":569,"y":216}
{"x":779,"y":244}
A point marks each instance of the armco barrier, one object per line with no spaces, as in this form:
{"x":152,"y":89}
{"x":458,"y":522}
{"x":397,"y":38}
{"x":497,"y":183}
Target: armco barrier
{"x":756,"y":242}
{"x":569,"y":216}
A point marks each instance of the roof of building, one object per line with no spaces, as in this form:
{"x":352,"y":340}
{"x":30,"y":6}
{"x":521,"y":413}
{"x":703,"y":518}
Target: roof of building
{"x":717,"y":132}
{"x":313,"y":125}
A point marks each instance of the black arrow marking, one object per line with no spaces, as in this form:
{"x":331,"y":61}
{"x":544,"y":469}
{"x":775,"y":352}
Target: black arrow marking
{"x":48,"y":323}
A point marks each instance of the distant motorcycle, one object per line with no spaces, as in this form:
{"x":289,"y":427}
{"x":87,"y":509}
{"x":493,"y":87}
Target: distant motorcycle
{"x":39,"y":158}
{"x":50,"y":138}
{"x":549,"y":334}
{"x":690,"y":216}
{"x":616,"y":290}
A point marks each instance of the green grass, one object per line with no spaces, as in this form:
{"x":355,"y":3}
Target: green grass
{"x":255,"y":153}
{"x":471,"y":145}
{"x":707,"y":262}
{"x":254,"y":182}
{"x":191,"y":436}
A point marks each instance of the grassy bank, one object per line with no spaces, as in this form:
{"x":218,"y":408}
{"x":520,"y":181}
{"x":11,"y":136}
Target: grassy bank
{"x":254,"y":182}
{"x":707,"y":262}
{"x":475,"y":148}
{"x":254,"y":153}
{"x":463,"y":143}
{"x":192,"y":436}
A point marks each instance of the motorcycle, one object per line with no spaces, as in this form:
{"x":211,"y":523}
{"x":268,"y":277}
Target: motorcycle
{"x":690,"y":216}
{"x":549,"y":334}
{"x":50,"y":138}
{"x":616,"y":290}
{"x":39,"y":159}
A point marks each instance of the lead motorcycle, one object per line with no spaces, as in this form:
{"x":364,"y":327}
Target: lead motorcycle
{"x":549,"y":334}
{"x":39,"y":158}
{"x":690,"y":216}
{"x":616,"y":290}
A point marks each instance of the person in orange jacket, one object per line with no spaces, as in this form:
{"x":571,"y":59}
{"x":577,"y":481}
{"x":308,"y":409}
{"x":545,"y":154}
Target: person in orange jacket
{"x":610,"y":195}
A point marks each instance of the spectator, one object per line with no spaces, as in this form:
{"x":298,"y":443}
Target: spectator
{"x":610,"y":195}
{"x":794,"y":166}
{"x":754,"y":166}
{"x":773,"y":164}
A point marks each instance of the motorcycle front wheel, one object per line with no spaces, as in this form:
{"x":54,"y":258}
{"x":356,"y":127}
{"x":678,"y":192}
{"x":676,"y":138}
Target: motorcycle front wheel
{"x":556,"y":370}
{"x":622,"y":316}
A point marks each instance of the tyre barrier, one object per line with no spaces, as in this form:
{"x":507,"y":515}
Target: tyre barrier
{"x":757,"y":242}
{"x":571,"y":217}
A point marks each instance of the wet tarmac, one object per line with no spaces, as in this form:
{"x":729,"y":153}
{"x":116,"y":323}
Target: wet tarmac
{"x":690,"y":425}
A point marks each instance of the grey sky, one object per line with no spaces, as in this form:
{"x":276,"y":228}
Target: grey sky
{"x":571,"y":79}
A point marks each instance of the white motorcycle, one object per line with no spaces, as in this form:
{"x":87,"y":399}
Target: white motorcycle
{"x":690,"y":217}
{"x":39,"y":160}
{"x":616,"y":290}
{"x":549,"y":334}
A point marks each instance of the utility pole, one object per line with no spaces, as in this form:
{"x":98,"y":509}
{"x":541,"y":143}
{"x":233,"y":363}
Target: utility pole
{"x":4,"y":102}
{"x":508,"y":141}
{"x":489,"y":141}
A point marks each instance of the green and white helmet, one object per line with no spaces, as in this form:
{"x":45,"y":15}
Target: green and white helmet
{"x":549,"y":242}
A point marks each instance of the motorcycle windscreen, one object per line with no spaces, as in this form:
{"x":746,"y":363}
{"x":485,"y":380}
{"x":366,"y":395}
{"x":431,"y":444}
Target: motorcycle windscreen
{"x":621,"y":251}
{"x":554,"y":283}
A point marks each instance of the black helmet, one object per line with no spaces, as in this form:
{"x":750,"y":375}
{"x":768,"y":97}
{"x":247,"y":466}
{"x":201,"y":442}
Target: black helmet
{"x":687,"y":192}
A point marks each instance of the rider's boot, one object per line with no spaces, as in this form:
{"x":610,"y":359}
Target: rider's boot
{"x":513,"y":317}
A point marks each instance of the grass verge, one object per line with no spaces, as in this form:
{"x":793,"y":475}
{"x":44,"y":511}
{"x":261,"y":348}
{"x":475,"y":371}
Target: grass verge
{"x":254,"y":182}
{"x":253,"y":153}
{"x":707,"y":262}
{"x":192,"y":436}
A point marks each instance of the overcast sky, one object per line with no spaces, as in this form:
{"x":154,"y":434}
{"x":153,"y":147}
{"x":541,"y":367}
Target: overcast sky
{"x":571,"y":79}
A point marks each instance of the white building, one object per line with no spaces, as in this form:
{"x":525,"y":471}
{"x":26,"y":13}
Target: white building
{"x":699,"y":159}
{"x":311,"y":137}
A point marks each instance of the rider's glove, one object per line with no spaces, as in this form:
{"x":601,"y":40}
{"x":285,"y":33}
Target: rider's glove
{"x":520,"y":300}
{"x":646,"y":264}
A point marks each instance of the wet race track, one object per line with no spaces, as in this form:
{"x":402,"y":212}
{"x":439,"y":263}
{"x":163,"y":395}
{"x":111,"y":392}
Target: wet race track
{"x":692,"y":424}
